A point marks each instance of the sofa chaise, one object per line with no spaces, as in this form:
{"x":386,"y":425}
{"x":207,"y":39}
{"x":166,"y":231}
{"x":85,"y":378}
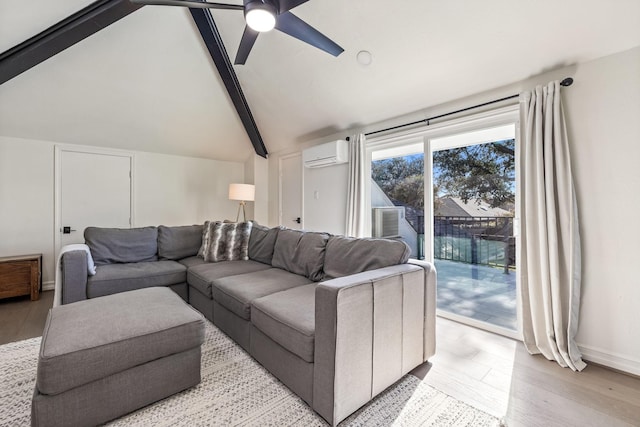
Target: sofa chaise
{"x":336,"y":319}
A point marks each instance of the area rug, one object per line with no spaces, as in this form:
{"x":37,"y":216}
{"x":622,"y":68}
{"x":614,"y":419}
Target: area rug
{"x":237,"y":391}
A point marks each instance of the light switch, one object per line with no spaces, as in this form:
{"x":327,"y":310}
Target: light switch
{"x":316,"y":195}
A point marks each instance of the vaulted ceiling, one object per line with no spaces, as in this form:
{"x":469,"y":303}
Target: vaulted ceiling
{"x":147,"y":83}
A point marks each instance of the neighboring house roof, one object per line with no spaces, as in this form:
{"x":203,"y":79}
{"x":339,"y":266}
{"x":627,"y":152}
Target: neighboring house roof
{"x":455,"y":206}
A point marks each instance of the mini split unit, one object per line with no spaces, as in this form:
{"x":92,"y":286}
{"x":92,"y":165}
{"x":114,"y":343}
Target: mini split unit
{"x":329,"y":154}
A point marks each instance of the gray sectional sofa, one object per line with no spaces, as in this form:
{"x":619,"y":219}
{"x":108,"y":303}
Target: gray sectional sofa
{"x":336,"y":319}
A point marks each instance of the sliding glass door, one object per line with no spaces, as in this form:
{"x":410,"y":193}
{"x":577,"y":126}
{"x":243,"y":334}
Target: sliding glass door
{"x":450,"y":192}
{"x":474,"y":239}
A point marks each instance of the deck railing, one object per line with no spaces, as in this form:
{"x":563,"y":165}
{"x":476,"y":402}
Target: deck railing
{"x":475,"y":240}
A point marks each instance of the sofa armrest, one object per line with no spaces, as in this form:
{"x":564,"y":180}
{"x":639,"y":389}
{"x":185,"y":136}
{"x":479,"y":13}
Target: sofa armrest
{"x":369,"y":332}
{"x":430,"y":301}
{"x":74,"y":276}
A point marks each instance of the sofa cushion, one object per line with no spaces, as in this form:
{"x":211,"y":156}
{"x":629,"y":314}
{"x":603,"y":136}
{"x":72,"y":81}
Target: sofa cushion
{"x":114,"y":245}
{"x":114,"y":334}
{"x":228,"y":242}
{"x":179,"y":242}
{"x":201,"y":276}
{"x":346,"y":255}
{"x":288,"y":318}
{"x":191,"y":261}
{"x":262,"y":242}
{"x":236,"y":293}
{"x":115,"y":278}
{"x":300,"y":252}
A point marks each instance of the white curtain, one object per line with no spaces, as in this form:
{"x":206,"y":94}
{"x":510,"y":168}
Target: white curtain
{"x":551,"y":264}
{"x":355,"y":190}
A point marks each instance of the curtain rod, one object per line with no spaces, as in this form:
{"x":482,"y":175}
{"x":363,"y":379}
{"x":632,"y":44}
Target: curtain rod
{"x":565,"y":82}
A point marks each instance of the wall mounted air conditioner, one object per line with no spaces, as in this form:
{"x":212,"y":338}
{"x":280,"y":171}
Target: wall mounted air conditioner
{"x":329,"y":154}
{"x":386,"y":221}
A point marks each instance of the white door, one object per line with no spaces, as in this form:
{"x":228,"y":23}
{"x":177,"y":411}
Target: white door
{"x":94,"y":190}
{"x":291,"y":191}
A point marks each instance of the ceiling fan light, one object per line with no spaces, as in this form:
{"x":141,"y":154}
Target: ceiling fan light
{"x":261,"y":18}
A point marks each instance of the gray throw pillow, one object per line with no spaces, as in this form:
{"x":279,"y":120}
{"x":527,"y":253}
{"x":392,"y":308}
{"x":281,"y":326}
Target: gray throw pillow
{"x":179,"y":242}
{"x":122,"y":245}
{"x":228,"y":242}
{"x":206,"y":238}
{"x":300,"y":252}
{"x":262,"y":242}
{"x":348,"y":255}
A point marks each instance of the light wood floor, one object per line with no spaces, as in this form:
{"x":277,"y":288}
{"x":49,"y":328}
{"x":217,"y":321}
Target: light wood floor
{"x":21,"y":318}
{"x":487,"y":371}
{"x":497,"y":375}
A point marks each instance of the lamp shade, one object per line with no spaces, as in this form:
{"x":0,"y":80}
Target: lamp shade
{"x":243,"y":192}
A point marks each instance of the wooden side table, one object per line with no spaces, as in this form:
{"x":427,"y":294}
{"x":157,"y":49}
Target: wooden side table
{"x":21,"y":275}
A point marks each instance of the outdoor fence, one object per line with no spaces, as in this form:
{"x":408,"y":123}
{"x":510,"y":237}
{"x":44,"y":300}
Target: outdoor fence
{"x":475,"y":240}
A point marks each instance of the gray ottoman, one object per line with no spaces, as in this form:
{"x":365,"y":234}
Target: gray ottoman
{"x":105,"y":357}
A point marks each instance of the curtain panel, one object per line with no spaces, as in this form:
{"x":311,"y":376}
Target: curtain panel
{"x":550,"y":239}
{"x":355,"y":220}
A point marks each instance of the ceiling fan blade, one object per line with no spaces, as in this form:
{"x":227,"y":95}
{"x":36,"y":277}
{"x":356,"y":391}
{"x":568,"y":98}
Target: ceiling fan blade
{"x":287,"y":5}
{"x":290,"y":24}
{"x":246,"y":43}
{"x":195,"y":4}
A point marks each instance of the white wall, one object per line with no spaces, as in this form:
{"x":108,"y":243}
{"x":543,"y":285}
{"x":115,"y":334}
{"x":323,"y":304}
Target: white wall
{"x":256,"y":172}
{"x":170,"y":190}
{"x":603,"y":113}
{"x":602,"y":108}
{"x":26,"y":200}
{"x":249,"y":178}
{"x":175,"y":190}
{"x":261,"y":181}
{"x":325,"y":198}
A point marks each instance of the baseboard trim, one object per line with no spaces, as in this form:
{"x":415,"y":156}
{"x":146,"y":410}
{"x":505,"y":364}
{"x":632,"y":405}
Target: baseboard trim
{"x":48,"y":286}
{"x":611,"y":360}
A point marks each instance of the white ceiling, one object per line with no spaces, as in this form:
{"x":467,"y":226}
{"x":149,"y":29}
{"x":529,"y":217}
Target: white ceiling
{"x":147,"y":83}
{"x":144,"y":83}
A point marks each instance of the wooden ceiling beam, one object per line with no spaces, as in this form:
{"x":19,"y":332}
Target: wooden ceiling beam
{"x":62,"y":35}
{"x":215,"y":46}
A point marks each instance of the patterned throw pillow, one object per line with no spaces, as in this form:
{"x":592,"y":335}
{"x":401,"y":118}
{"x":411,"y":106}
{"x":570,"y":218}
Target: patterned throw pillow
{"x":206,"y":236}
{"x":228,"y":241}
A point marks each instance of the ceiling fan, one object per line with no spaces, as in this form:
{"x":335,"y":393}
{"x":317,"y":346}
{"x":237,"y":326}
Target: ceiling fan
{"x":261,"y":16}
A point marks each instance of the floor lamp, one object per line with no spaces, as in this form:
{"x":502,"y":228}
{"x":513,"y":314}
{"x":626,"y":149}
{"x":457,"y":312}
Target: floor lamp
{"x":244,"y":193}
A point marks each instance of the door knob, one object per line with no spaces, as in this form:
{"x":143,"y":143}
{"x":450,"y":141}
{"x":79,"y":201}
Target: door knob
{"x":298,"y":220}
{"x":67,"y":230}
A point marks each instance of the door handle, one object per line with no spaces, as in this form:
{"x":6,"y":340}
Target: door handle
{"x":298,"y":220}
{"x":67,"y":230}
